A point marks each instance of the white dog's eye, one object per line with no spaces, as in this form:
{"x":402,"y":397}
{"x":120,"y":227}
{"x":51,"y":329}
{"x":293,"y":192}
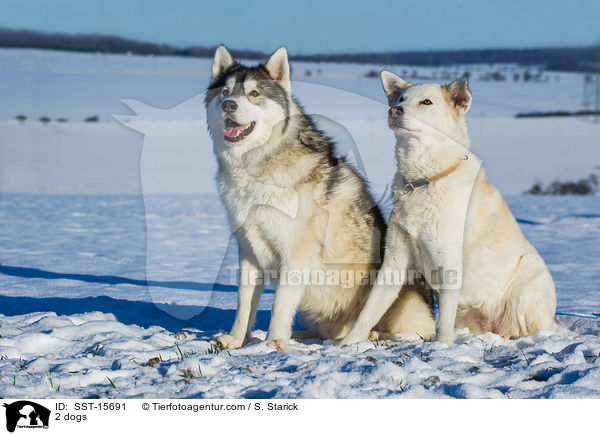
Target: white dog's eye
{"x":254,"y":93}
{"x":426,"y":102}
{"x":225,"y":92}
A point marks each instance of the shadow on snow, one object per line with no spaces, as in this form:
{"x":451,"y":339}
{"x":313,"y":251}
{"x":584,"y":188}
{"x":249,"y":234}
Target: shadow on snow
{"x":140,"y":313}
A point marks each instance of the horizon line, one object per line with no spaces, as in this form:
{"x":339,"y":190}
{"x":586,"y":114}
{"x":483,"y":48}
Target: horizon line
{"x":256,"y":52}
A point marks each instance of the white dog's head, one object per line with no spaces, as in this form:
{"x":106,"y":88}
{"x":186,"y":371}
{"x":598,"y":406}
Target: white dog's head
{"x":430,"y":113}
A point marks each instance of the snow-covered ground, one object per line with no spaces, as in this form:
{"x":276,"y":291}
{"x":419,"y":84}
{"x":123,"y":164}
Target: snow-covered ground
{"x":116,"y":255}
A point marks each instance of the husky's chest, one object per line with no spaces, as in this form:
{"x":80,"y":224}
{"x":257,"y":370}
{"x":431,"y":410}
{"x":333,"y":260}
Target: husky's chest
{"x":259,"y":208}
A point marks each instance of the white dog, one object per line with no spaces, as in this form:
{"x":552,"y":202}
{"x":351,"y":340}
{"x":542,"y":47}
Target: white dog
{"x":452,"y":226}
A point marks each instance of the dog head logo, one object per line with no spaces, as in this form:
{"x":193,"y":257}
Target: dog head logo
{"x":26,"y":414}
{"x":177,"y":152}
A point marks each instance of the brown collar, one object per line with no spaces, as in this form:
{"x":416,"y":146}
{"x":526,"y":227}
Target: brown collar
{"x":410,"y":186}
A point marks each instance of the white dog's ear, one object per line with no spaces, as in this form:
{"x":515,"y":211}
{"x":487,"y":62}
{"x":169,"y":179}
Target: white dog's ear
{"x":459,"y":95}
{"x":393,"y":85}
{"x":278,"y":67}
{"x":223,"y":60}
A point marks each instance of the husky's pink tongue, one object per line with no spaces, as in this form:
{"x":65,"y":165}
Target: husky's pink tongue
{"x":233,"y":131}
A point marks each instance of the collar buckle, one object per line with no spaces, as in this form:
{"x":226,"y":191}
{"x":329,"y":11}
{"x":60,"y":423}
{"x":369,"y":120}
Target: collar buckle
{"x":408,"y":188}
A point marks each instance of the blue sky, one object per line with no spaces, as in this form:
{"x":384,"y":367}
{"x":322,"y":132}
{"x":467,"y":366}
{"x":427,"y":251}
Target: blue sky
{"x":314,"y":26}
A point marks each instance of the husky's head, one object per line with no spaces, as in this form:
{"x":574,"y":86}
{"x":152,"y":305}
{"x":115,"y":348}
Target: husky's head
{"x":248,"y":106}
{"x":429,"y":113}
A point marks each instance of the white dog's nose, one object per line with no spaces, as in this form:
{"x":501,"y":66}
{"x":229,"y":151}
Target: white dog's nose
{"x":395,"y":111}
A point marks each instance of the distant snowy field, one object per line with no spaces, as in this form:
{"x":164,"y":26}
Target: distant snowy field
{"x":111,"y":241}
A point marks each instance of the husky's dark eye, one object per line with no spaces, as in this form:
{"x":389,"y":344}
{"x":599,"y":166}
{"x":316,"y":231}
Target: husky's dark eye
{"x":254,"y":93}
{"x":426,"y":102}
{"x":225,"y":92}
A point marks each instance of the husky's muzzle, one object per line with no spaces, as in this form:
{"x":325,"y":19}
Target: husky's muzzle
{"x":235,"y":132}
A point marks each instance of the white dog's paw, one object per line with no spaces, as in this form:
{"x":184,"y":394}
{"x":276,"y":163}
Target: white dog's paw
{"x":229,"y":341}
{"x":278,"y":344}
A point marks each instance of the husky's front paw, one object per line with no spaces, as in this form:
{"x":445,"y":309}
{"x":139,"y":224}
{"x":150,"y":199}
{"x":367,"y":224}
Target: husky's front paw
{"x":376,"y":336}
{"x":229,"y":342}
{"x":447,"y":337}
{"x":278,"y":344}
{"x":352,"y":339}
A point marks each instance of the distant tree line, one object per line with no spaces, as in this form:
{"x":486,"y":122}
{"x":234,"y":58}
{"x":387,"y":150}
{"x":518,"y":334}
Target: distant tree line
{"x":105,"y":44}
{"x":554,"y":59}
{"x":558,"y":59}
{"x":585,"y":186}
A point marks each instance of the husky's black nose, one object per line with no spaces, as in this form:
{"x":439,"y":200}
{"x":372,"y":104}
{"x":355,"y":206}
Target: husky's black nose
{"x":229,"y":106}
{"x":395,"y":111}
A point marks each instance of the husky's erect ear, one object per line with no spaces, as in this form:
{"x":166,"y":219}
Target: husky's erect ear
{"x":278,"y":67}
{"x":459,"y":95}
{"x":393,"y":85}
{"x":223,"y":60}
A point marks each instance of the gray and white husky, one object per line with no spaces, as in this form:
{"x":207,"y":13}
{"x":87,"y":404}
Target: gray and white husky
{"x":297,"y":208}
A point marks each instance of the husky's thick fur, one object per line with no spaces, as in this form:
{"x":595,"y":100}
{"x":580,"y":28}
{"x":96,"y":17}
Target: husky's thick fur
{"x":455,"y":228}
{"x":293,"y":206}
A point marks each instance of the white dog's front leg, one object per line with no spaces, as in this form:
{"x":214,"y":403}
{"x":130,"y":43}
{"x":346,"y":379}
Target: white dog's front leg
{"x":445,"y":275}
{"x":380,"y":300}
{"x":384,"y":293}
{"x":249,"y":291}
{"x":448,"y":303}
